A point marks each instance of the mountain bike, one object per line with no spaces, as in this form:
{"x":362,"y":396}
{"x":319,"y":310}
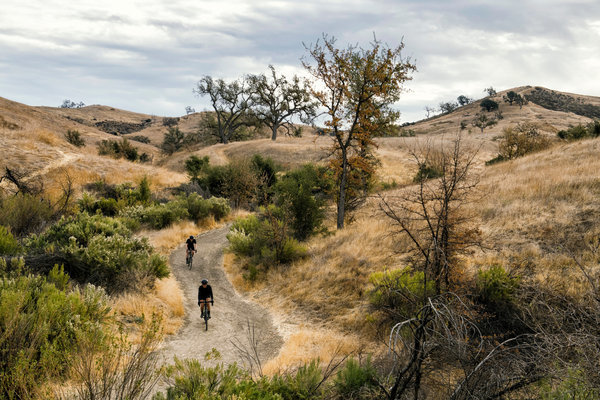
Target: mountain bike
{"x":204,"y":313}
{"x":189,"y":258}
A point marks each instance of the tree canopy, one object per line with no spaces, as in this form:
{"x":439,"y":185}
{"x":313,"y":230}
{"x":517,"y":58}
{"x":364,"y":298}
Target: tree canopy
{"x":357,"y":88}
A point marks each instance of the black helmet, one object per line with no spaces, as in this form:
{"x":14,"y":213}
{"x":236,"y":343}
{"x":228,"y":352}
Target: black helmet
{"x":204,"y":281}
{"x":191,"y":236}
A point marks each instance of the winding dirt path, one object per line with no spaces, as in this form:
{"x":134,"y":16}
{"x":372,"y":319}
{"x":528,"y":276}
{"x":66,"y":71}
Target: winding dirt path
{"x":230,"y":313}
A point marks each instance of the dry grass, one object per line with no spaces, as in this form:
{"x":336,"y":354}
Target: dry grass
{"x":527,"y":208}
{"x":307,"y":344}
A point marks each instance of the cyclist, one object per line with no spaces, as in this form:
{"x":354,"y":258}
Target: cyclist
{"x":191,"y":246}
{"x":205,"y":295}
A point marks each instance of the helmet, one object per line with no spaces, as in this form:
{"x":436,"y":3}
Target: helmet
{"x":191,"y":236}
{"x":204,"y":281}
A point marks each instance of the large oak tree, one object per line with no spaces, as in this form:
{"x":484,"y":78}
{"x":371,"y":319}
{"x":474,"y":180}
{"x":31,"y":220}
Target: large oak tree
{"x":275,"y":100}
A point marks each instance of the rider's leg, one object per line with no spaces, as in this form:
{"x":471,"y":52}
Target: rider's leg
{"x":207,"y":301}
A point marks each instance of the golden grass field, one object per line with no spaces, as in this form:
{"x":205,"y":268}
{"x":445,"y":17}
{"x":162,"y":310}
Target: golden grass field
{"x":523,"y":208}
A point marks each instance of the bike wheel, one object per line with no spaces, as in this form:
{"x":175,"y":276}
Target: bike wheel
{"x":206,"y":321}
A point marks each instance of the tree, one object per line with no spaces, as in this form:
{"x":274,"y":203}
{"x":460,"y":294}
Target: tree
{"x":429,"y":111}
{"x":230,"y":102}
{"x":464,"y":100}
{"x":195,"y":166}
{"x":482,"y":121}
{"x":71,"y":104}
{"x":358,"y":88}
{"x":173,"y":140}
{"x":490,"y":91}
{"x":448,"y":107}
{"x":431,"y":214}
{"x":275,"y":100}
{"x":488,"y":105}
{"x":510,"y":97}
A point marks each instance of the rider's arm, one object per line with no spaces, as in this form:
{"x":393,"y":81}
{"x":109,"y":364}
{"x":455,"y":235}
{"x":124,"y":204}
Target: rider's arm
{"x":212,"y":299}
{"x":199,"y":288}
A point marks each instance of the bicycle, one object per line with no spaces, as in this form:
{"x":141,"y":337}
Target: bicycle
{"x":204,"y":312}
{"x":189,"y":258}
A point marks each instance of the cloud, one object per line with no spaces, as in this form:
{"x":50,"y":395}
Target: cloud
{"x":147,"y":56}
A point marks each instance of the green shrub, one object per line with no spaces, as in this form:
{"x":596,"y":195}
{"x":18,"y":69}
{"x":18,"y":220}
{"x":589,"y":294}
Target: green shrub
{"x":354,"y":380}
{"x":115,"y":149}
{"x":74,"y":137}
{"x":427,"y":172}
{"x":400,"y":292}
{"x":572,"y":386}
{"x":141,"y":139}
{"x":8,"y":244}
{"x":521,"y":140}
{"x":264,"y":239}
{"x":40,"y":325}
{"x":578,"y":132}
{"x":99,"y":250}
{"x":163,"y":215}
{"x":302,"y":194}
{"x":25,"y":213}
{"x":219,"y":207}
{"x":265,"y":171}
{"x":496,"y":288}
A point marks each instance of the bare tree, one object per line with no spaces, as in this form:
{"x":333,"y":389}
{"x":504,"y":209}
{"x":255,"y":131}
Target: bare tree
{"x":275,"y":100}
{"x":431,"y":213}
{"x":230,"y":102}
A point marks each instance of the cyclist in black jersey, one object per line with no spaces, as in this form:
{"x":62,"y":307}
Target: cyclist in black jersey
{"x":205,"y":295}
{"x":191,"y":245}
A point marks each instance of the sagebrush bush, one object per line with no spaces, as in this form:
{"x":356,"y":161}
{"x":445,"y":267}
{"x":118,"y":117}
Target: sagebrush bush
{"x":265,"y":239}
{"x":118,"y":149}
{"x":40,"y":324}
{"x":302,"y":194}
{"x":520,"y":140}
{"x":356,"y":380}
{"x":99,"y":250}
{"x":163,"y":215}
{"x":25,"y":213}
{"x":578,"y":132}
{"x":8,"y":243}
{"x":400,"y":292}
{"x":496,"y":288}
{"x":74,"y":137}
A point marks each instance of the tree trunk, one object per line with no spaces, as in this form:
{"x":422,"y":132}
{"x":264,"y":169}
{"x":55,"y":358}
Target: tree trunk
{"x":274,"y":132}
{"x":341,"y":206}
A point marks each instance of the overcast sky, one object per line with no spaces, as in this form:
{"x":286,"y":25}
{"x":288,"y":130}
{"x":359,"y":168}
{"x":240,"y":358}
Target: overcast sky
{"x":146,"y":56}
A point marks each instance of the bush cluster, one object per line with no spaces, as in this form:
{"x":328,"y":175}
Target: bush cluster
{"x":122,"y":149}
{"x":518,"y":141}
{"x":189,"y":379}
{"x":591,"y":130}
{"x":41,"y":321}
{"x":561,"y":102}
{"x":99,"y":250}
{"x":264,"y":239}
{"x":246,"y":183}
{"x":8,"y":244}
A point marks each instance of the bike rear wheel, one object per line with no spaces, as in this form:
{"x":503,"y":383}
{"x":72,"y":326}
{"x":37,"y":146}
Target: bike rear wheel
{"x":188,"y":261}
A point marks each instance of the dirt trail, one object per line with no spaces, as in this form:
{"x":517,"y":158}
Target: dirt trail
{"x":230,"y":313}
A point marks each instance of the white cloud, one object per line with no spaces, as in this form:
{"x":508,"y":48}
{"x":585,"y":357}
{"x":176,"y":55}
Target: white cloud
{"x":147,"y":56}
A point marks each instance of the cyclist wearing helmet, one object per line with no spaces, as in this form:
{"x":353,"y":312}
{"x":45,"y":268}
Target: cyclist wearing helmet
{"x":191,"y":245}
{"x":205,"y":295}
